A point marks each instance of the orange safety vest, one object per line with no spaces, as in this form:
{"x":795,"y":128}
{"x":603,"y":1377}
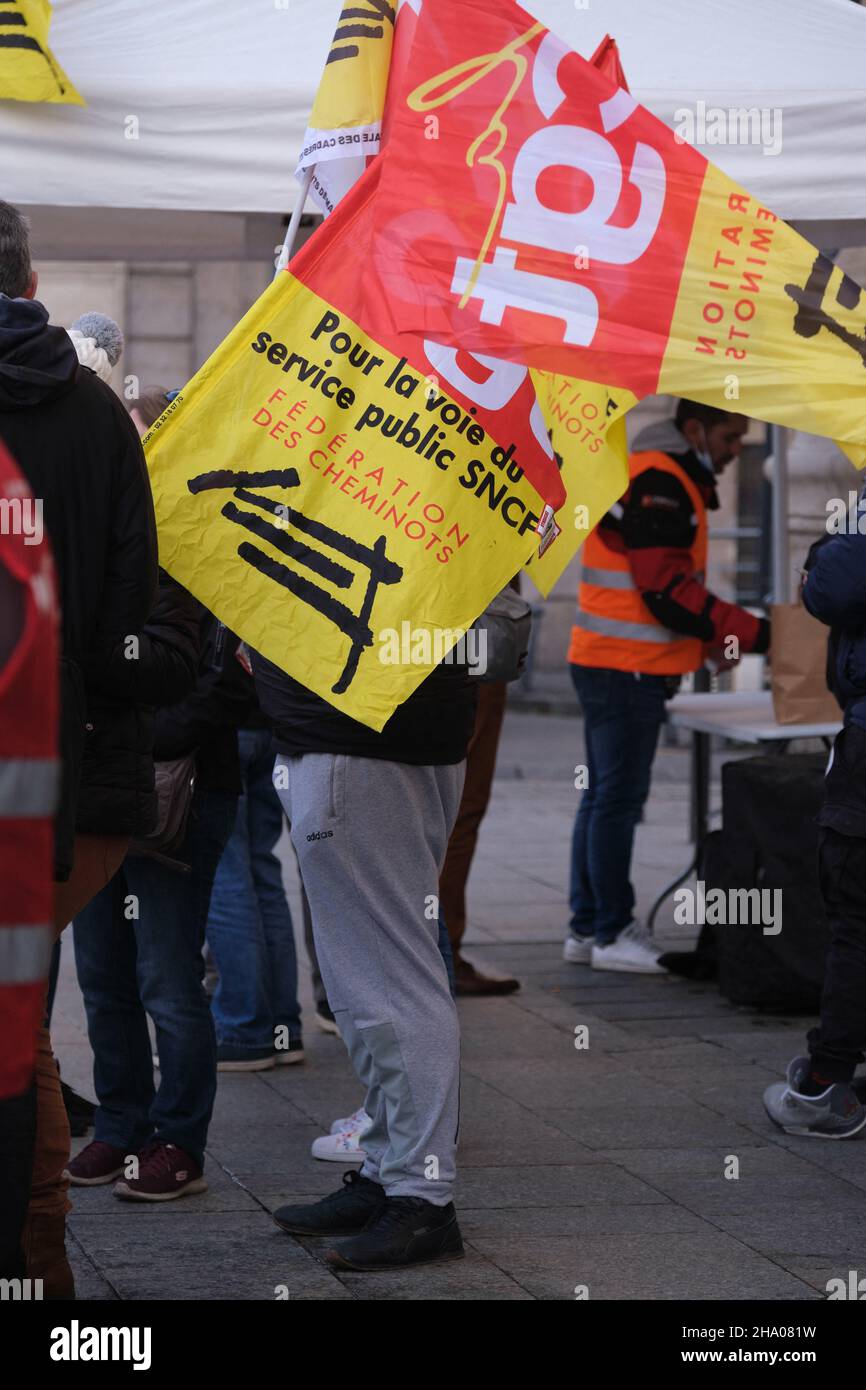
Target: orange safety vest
{"x":614,"y":628}
{"x":29,"y":780}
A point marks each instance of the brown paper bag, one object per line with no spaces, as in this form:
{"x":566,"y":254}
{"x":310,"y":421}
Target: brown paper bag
{"x":798,"y":667}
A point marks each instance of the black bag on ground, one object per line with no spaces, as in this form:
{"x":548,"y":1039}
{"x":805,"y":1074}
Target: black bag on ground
{"x":769,"y":841}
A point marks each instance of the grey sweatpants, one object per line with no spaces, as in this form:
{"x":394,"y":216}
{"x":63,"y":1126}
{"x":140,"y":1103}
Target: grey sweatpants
{"x":371,"y":837}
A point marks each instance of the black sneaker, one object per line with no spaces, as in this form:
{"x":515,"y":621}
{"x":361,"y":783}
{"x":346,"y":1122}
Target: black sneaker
{"x":80,"y":1111}
{"x":289,"y":1056}
{"x":341,"y":1214}
{"x":406,"y":1231}
{"x":231,"y":1058}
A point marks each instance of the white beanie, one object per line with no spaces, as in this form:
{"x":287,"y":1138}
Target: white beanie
{"x":90,"y":354}
{"x":98,"y":342}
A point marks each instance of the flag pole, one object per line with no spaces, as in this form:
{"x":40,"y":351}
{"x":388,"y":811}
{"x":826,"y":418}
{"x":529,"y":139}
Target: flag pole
{"x":781,"y":537}
{"x":291,"y":237}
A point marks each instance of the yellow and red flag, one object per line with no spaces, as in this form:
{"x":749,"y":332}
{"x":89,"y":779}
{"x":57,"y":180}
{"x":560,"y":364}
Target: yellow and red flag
{"x":322,"y":487}
{"x":531,"y":209}
{"x":592,"y":460}
{"x":28,"y":69}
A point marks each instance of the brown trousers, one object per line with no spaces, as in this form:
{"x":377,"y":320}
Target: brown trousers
{"x":43,"y":1240}
{"x":480,"y":766}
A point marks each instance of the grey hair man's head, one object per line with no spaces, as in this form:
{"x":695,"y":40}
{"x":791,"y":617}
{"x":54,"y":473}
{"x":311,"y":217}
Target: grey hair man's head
{"x":16,"y":271}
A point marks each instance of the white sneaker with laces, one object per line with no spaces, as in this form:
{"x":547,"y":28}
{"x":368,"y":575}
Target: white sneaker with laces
{"x":345,"y":1147}
{"x":577,"y":949}
{"x":633,"y":951}
{"x":360,"y":1119}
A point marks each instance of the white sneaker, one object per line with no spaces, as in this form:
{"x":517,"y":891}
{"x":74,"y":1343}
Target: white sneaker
{"x":577,"y":949}
{"x":360,"y":1120}
{"x":632,"y":951}
{"x":345,"y":1147}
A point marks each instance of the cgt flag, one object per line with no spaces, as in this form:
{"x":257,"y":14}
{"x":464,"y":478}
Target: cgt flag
{"x":345,"y":129}
{"x":587,"y":430}
{"x":320,"y":489}
{"x":554,"y":221}
{"x":577,"y":414}
{"x":28,"y":69}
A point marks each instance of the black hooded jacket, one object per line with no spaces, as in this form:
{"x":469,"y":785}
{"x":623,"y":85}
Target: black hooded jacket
{"x":157,"y":668}
{"x":81,"y":455}
{"x":432,"y":727}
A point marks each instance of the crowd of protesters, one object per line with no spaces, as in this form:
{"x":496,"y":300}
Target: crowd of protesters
{"x":160,"y":708}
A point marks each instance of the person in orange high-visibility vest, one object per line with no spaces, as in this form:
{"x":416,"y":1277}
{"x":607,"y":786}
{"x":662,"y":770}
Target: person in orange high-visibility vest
{"x":29,"y":782}
{"x":644,"y":619}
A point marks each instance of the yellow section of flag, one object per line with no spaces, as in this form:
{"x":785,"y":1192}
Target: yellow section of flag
{"x":28,"y":69}
{"x":345,"y":126}
{"x":317,"y":537}
{"x":766,"y":325}
{"x":594,"y":462}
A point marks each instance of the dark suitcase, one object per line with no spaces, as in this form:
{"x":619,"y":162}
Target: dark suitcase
{"x":769,"y":840}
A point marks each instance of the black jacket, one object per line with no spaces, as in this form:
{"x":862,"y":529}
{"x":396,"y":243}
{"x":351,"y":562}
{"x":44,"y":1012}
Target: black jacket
{"x":654,"y":525}
{"x":432,"y":727}
{"x":81,"y":455}
{"x":206,"y":721}
{"x":158,"y":668}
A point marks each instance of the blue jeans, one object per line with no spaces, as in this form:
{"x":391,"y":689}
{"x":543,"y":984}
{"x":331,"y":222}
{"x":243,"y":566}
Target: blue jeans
{"x":622,"y":716}
{"x":249,"y":926}
{"x":132,"y":965}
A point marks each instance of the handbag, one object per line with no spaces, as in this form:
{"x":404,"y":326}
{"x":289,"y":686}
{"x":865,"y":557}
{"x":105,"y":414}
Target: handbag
{"x":175,"y":783}
{"x":506,"y":624}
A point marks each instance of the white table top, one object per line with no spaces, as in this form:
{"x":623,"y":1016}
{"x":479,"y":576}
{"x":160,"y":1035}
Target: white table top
{"x":746,"y":716}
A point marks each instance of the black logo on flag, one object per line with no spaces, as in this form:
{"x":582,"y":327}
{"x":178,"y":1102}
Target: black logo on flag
{"x":812,"y":314}
{"x":370,"y":560}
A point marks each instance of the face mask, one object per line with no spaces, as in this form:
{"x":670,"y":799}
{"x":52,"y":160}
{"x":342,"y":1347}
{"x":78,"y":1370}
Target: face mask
{"x":703,"y":456}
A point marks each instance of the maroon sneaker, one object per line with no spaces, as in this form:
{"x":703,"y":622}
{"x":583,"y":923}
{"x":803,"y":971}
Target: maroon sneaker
{"x":97,"y":1163}
{"x":164,"y":1172}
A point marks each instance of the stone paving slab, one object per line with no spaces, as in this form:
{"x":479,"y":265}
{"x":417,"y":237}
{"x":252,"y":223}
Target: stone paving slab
{"x":600,"y":1218}
{"x":474,"y":1278}
{"x":613,"y":1126}
{"x":704,"y":1264}
{"x":697,"y":1178}
{"x":168,"y":1254}
{"x":831,"y":1230}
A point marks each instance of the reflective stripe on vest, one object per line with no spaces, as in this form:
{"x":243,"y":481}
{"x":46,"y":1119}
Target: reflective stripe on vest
{"x":25,"y":954}
{"x":607,"y":579}
{"x":633,"y":632}
{"x":28,"y":787}
{"x":614,"y":627}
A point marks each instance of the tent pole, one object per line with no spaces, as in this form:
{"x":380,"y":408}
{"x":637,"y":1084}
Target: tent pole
{"x":781,"y":539}
{"x":295,"y":221}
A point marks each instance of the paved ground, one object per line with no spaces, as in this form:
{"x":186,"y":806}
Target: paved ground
{"x":602,"y":1167}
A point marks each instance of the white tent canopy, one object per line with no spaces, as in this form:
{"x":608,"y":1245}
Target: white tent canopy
{"x":218,"y":95}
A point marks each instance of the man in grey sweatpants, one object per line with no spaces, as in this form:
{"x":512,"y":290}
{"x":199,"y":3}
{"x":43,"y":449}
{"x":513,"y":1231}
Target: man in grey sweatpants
{"x":370,"y":826}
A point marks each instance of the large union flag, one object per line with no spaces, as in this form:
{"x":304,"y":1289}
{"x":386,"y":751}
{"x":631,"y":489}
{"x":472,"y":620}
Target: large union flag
{"x":533,"y":210}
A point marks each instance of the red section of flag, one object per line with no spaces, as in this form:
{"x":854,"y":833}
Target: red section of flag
{"x":607,"y":60}
{"x":528,"y":208}
{"x":336,"y":263}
